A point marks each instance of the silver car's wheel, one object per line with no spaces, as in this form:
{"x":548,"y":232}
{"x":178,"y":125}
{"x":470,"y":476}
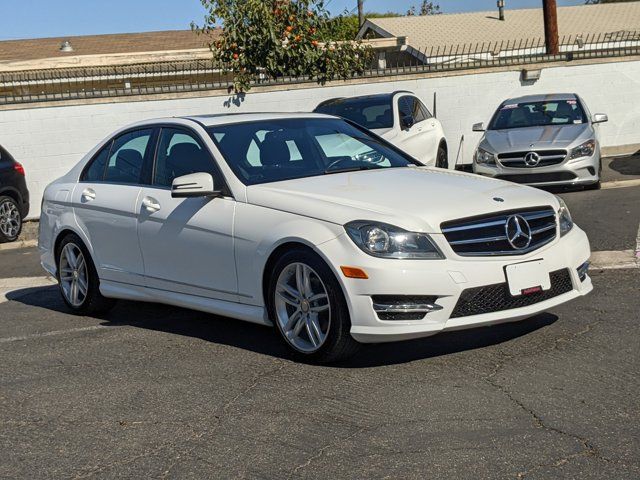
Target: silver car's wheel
{"x":74,"y":275}
{"x":303,"y":308}
{"x":10,"y":220}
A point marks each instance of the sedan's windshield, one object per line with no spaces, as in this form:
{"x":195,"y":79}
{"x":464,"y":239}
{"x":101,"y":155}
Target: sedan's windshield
{"x":538,"y":114}
{"x":283,"y":149}
{"x":373,"y":112}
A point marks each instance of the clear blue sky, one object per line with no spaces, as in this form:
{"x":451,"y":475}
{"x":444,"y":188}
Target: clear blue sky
{"x":54,"y":18}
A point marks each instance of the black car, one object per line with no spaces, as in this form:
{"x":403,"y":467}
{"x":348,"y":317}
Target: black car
{"x":14,"y":197}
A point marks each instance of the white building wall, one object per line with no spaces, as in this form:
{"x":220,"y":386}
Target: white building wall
{"x":48,"y":141}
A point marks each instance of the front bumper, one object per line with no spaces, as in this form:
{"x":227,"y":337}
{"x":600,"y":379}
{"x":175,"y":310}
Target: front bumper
{"x":581,"y":171}
{"x":446,"y":280}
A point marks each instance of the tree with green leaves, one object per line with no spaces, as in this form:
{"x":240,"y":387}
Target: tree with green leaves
{"x":425,"y":8}
{"x":277,"y":38}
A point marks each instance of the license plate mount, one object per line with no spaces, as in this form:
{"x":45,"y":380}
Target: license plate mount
{"x":527,"y":278}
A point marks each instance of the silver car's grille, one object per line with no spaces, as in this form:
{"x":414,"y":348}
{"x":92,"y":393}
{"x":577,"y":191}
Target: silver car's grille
{"x":489,"y":235}
{"x":541,"y":158}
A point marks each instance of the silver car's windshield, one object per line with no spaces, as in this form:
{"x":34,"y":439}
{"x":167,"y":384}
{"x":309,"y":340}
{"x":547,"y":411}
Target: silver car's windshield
{"x":538,"y":114}
{"x":283,"y":149}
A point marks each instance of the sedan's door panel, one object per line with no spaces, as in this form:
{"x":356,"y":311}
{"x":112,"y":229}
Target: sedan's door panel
{"x":187,"y":244}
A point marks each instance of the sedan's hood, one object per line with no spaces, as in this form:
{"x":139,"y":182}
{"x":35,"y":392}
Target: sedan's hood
{"x":417,"y":199}
{"x":556,"y":136}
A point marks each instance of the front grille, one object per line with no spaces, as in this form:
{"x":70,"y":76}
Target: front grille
{"x":539,"y":177}
{"x":546,"y":158}
{"x":496,"y":298}
{"x":486,"y":235}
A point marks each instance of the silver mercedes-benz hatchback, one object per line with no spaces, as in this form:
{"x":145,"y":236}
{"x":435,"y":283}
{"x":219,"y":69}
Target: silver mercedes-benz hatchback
{"x":541,"y":140}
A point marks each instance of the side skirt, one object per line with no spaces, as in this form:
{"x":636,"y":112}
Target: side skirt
{"x":125,"y":291}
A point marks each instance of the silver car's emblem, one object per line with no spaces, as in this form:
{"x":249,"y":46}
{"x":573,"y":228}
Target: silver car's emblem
{"x":518,"y":232}
{"x":532,"y":159}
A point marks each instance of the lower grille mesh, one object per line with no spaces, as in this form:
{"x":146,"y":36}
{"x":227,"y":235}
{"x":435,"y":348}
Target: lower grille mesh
{"x":496,"y":298}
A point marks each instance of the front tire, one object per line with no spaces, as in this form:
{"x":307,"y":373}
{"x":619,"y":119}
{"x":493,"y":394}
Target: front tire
{"x":78,"y":279}
{"x":10,"y":220}
{"x":442,"y":158}
{"x":307,"y":306}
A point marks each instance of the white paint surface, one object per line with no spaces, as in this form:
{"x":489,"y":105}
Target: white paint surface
{"x":49,"y":141}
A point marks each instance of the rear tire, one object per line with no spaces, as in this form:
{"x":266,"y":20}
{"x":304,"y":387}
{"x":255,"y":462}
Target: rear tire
{"x":442,"y":158}
{"x":10,"y":220}
{"x":307,"y":306}
{"x":78,"y":278}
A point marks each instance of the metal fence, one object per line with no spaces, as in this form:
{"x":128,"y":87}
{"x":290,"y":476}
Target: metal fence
{"x":201,"y":75}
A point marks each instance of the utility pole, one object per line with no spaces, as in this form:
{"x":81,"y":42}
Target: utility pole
{"x":360,"y":12}
{"x":550,"y":9}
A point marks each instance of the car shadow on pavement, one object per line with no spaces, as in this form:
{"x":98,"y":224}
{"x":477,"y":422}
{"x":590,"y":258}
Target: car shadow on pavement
{"x":263,"y":340}
{"x":626,"y":165}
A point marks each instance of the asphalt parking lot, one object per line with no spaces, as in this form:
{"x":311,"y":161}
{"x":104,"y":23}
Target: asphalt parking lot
{"x":160,"y":392}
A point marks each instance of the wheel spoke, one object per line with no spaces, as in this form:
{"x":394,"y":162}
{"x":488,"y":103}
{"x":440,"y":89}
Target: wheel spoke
{"x":74,"y":291}
{"x":286,"y":296}
{"x":292,"y":322}
{"x":320,"y":308}
{"x":298,"y":326}
{"x":300,"y":279}
{"x":312,"y":333}
{"x":82,"y":285}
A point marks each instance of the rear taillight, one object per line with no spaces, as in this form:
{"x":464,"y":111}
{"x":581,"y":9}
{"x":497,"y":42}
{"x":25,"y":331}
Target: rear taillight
{"x":19,"y":168}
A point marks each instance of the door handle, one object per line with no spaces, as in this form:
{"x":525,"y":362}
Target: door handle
{"x":150,"y":204}
{"x":88,"y":194}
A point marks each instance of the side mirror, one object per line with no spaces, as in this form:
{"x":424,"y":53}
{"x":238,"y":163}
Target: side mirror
{"x":407,"y":122}
{"x":478,"y":127}
{"x":600,"y":118}
{"x":194,"y":185}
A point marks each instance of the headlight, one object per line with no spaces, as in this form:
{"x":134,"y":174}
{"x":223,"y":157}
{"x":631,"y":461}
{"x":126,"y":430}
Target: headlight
{"x":387,"y":241}
{"x":564,"y":218}
{"x":584,"y":150}
{"x":484,"y":157}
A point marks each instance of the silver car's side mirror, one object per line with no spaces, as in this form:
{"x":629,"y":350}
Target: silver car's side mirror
{"x":600,"y":118}
{"x":478,"y":127}
{"x":194,"y":185}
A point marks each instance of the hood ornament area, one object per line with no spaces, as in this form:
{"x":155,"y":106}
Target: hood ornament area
{"x":518,"y":232}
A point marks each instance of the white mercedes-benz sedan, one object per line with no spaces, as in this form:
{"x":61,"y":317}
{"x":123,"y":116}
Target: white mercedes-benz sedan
{"x":306,"y":222}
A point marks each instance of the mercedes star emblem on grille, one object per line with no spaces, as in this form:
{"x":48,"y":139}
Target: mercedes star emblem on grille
{"x":518,"y":232}
{"x":532,"y":159}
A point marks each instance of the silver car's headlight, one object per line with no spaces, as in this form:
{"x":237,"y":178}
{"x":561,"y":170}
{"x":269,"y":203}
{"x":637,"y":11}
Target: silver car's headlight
{"x":564,"y":218}
{"x":484,"y":157}
{"x":584,"y":150}
{"x":387,"y":241}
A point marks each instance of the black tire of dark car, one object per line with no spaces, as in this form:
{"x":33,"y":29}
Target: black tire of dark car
{"x":94,"y":303}
{"x":442,"y":160}
{"x":10,"y":220}
{"x":339,"y":344}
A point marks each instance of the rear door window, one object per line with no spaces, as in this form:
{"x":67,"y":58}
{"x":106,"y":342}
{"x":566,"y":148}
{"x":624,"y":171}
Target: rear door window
{"x":95,"y":171}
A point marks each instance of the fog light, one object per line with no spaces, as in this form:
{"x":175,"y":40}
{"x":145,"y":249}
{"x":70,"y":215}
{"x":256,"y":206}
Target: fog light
{"x":583,"y":270}
{"x":404,"y":307}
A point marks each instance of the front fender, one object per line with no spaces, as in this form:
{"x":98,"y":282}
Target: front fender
{"x":261,"y":231}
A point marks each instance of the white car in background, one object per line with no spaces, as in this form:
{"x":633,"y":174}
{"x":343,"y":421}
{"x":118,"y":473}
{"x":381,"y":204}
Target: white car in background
{"x":400,"y":118}
{"x":307,"y":222}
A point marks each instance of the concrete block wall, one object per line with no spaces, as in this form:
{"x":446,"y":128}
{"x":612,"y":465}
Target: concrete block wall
{"x":49,"y":141}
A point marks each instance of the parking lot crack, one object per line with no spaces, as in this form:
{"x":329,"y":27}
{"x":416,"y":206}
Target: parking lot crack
{"x":324,"y":449}
{"x":587,"y":448}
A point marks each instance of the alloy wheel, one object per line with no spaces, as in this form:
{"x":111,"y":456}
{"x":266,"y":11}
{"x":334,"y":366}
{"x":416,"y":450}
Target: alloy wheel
{"x":9,"y":219}
{"x":303,"y":309}
{"x":74,"y":276}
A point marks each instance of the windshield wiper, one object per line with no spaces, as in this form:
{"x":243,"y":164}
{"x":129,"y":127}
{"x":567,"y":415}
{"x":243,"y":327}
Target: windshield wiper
{"x":350,"y":169}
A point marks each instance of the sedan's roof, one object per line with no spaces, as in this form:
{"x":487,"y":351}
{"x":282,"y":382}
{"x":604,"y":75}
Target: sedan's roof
{"x":229,"y":118}
{"x":549,"y":97}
